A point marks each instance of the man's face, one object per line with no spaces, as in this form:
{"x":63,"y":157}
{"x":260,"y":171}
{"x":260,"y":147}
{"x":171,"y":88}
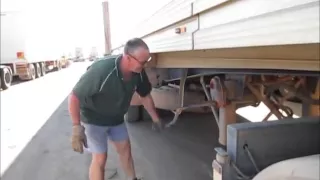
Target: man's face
{"x":138,"y":59}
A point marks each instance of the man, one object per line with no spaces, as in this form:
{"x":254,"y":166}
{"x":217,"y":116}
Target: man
{"x":101,"y":98}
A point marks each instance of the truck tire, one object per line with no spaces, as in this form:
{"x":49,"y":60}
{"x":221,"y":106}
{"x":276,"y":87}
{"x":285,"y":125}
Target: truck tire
{"x":133,"y":114}
{"x":59,"y":66}
{"x":38,"y":70}
{"x":6,"y":78}
{"x":32,"y":70}
{"x":43,"y":69}
{"x":305,"y":167}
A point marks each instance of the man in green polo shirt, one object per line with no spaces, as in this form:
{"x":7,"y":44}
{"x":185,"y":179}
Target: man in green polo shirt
{"x":99,"y":101}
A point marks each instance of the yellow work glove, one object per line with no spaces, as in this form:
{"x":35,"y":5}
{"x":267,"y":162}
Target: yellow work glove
{"x":78,"y":139}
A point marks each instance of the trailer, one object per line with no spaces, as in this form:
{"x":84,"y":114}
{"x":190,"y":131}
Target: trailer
{"x":223,"y":55}
{"x":79,"y":55}
{"x":27,"y":51}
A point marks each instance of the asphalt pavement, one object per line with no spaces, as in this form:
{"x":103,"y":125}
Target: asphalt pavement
{"x":183,"y":152}
{"x":36,"y":129}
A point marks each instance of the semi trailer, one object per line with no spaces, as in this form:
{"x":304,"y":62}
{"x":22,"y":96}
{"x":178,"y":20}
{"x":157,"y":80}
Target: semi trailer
{"x":223,"y":55}
{"x":28,"y":49}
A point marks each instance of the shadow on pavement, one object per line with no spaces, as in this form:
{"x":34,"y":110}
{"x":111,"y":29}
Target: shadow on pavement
{"x":183,"y":152}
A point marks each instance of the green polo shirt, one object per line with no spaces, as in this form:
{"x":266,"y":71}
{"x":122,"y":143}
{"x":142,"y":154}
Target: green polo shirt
{"x":103,"y":94}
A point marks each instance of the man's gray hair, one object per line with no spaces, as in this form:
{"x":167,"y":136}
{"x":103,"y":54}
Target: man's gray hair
{"x":133,"y":44}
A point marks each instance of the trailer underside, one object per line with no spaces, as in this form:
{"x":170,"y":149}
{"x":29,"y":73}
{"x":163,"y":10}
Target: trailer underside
{"x":220,"y":56}
{"x":223,"y":91}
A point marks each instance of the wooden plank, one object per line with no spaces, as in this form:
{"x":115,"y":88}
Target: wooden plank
{"x":202,"y":62}
{"x":290,"y":57}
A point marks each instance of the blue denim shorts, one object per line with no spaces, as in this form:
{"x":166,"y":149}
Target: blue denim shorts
{"x":98,"y":136}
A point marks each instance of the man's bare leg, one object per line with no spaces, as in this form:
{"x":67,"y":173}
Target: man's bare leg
{"x":96,"y":171}
{"x":124,"y":151}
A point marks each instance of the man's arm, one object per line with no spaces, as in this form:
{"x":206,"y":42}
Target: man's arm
{"x":74,"y":109}
{"x":88,"y":85}
{"x":144,"y":89}
{"x":78,"y":137}
{"x":148,"y":104}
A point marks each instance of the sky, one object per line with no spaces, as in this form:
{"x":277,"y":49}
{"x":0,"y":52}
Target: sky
{"x":79,"y":23}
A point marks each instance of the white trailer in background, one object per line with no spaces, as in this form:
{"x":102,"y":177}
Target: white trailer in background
{"x":28,"y":47}
{"x":221,"y":55}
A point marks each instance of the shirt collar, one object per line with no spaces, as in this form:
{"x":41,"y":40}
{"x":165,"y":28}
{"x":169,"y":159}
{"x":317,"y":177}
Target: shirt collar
{"x":117,"y":65}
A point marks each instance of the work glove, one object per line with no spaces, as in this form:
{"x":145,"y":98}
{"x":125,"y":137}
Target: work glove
{"x":78,"y":139}
{"x":157,"y":126}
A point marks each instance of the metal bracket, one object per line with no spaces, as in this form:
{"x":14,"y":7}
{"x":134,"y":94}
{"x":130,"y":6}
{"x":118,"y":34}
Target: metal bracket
{"x":178,"y":111}
{"x":213,"y":109}
{"x":210,"y":103}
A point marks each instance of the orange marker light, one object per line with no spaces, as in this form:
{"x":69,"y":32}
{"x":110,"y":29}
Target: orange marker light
{"x":180,"y":30}
{"x":20,"y":55}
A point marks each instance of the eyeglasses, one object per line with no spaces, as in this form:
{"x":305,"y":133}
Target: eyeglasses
{"x":141,"y":63}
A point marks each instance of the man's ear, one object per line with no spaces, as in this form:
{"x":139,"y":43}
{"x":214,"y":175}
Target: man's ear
{"x":126,"y":57}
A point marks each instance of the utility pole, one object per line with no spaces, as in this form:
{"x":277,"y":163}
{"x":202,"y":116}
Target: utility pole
{"x":106,"y":24}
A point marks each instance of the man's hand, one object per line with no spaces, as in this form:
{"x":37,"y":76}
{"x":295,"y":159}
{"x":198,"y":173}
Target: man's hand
{"x":78,"y":139}
{"x":148,"y":104}
{"x":157,"y":126}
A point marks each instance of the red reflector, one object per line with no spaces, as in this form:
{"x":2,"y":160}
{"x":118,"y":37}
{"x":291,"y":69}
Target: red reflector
{"x":20,"y":55}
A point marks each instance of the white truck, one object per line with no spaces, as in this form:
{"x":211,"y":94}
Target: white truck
{"x":221,"y":55}
{"x":28,"y":48}
{"x":79,"y":55}
{"x":93,"y":54}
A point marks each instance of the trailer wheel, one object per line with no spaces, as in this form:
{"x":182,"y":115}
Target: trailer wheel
{"x":133,"y":114}
{"x":32,"y":70}
{"x":38,"y":70}
{"x":59,"y":66}
{"x":6,"y":78}
{"x":43,"y":69}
